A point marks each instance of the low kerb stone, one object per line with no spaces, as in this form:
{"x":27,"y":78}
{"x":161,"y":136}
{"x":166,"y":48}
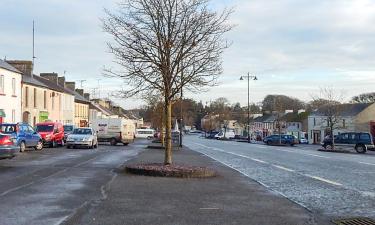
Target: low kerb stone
{"x":178,"y":171}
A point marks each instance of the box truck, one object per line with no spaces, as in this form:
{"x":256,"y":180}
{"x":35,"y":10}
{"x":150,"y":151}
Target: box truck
{"x":114,"y":130}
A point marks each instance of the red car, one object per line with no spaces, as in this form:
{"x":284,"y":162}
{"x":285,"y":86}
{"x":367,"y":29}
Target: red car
{"x":52,"y":133}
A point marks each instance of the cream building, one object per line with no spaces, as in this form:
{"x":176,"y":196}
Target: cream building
{"x":10,"y":93}
{"x":42,"y":99}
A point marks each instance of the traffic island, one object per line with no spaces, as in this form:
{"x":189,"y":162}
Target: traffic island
{"x":173,"y":170}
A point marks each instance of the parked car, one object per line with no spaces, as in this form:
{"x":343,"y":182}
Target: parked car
{"x":82,"y":137}
{"x":212,"y":134}
{"x":68,"y":129}
{"x":285,"y":140}
{"x":8,"y":146}
{"x":144,"y":133}
{"x":361,"y":142}
{"x":25,"y":136}
{"x":195,"y":132}
{"x":229,"y":134}
{"x":303,"y":141}
{"x":52,"y":133}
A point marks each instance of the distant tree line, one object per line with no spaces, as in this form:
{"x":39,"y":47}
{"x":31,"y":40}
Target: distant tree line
{"x":193,"y":111}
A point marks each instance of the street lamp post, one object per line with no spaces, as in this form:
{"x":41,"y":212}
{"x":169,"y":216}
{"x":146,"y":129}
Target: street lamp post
{"x":248,"y":77}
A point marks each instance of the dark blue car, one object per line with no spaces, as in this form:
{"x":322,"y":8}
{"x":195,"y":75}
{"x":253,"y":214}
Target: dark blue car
{"x":281,"y":139}
{"x":23,"y":134}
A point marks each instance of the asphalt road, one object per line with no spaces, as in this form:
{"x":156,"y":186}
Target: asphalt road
{"x":334,"y":184}
{"x":46,"y":187}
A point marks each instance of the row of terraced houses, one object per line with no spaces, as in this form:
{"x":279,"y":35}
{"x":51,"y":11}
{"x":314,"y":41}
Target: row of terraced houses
{"x":30,"y":98}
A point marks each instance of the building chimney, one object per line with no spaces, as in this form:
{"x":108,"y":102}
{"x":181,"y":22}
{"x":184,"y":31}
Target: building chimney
{"x":80,"y":91}
{"x":87,"y":96}
{"x":61,"y":81}
{"x":53,"y":77}
{"x":70,"y":85}
{"x":24,"y":66}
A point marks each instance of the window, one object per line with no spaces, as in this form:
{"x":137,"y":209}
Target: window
{"x":53,"y":100}
{"x":45,"y":99}
{"x":343,"y":123}
{"x":314,"y":121}
{"x":27,"y":96}
{"x":1,"y":84}
{"x":344,"y":136}
{"x":13,"y":86}
{"x":35,"y":97}
{"x":364,"y":137}
{"x":13,"y":115}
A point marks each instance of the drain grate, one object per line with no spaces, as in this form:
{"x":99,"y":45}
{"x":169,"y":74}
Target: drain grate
{"x":355,"y":221}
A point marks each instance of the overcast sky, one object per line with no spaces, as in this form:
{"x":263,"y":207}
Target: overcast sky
{"x":293,"y":46}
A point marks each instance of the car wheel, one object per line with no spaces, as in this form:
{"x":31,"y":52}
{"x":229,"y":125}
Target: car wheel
{"x":126,"y":144}
{"x":92,"y":145}
{"x":361,"y":149}
{"x":96,"y":145}
{"x":268,"y":143}
{"x":39,"y":146}
{"x":68,"y":146}
{"x":113,"y":142}
{"x":62,"y":143}
{"x":22,"y":146}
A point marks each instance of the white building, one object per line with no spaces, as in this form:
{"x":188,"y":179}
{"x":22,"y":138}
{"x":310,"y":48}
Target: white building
{"x":10,"y":93}
{"x":358,"y":117}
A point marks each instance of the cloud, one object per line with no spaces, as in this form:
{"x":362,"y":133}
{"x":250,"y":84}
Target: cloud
{"x":294,"y":46}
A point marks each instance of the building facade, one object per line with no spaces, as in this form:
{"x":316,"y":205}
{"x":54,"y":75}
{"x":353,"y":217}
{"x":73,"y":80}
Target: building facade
{"x":10,"y":93}
{"x":351,"y":118}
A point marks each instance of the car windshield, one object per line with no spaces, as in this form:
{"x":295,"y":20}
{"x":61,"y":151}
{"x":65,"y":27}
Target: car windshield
{"x":82,"y":131}
{"x":7,"y":129}
{"x":44,"y":128}
{"x":68,"y":128}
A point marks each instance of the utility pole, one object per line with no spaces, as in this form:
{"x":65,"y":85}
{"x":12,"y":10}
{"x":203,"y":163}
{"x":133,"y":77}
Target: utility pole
{"x":32,"y":71}
{"x":248,"y":77}
{"x":181,"y":99}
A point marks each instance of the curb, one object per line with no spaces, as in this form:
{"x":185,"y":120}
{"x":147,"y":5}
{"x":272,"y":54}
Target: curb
{"x":334,"y":151}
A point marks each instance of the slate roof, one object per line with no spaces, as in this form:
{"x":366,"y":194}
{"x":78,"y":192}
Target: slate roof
{"x":77,"y":97}
{"x":32,"y":81}
{"x":7,"y":66}
{"x":267,"y":118}
{"x":346,"y":110}
{"x":102,"y":109}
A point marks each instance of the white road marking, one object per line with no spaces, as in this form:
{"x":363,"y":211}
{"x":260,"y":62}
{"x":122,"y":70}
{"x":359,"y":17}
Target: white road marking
{"x":365,"y":163}
{"x":324,"y":180}
{"x":258,"y":160}
{"x":283,"y":168}
{"x":274,"y":165}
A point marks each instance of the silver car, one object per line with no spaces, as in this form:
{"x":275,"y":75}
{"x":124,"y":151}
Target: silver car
{"x":82,"y":137}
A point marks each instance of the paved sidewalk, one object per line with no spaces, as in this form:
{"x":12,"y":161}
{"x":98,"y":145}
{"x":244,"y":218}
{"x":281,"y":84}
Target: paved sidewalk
{"x":230,"y":198}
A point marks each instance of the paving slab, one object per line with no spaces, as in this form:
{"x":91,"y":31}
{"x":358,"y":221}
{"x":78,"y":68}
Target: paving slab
{"x":229,"y":198}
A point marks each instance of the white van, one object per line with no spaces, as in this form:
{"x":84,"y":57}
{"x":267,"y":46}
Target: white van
{"x":229,"y":134}
{"x":144,"y":133}
{"x":114,"y":130}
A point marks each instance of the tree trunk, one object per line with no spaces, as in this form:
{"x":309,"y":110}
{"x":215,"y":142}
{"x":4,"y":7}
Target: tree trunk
{"x":168,"y":132}
{"x":162,"y":129}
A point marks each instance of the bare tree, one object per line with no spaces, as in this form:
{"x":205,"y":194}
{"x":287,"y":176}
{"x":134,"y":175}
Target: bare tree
{"x":167,"y":45}
{"x":331,"y":111}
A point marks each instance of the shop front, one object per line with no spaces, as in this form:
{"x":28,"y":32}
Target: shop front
{"x":43,"y":116}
